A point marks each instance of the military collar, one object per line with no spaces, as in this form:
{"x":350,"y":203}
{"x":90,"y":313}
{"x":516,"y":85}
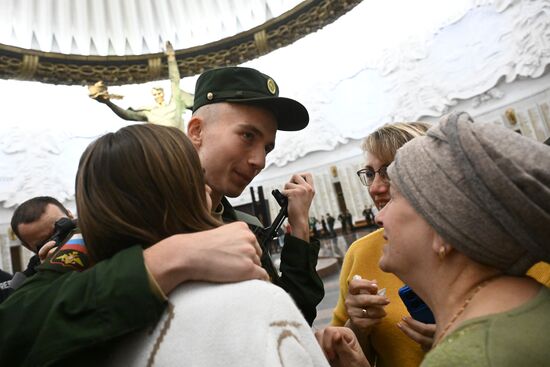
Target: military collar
{"x":218,"y":212}
{"x":227,"y":212}
{"x":231,"y":215}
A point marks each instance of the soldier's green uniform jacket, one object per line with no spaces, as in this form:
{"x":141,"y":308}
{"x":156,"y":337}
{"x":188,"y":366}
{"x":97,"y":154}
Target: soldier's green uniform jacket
{"x":298,"y":260}
{"x":63,"y":316}
{"x":68,"y":314}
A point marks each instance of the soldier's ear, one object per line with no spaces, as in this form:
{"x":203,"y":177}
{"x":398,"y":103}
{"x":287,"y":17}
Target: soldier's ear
{"x":195,"y":128}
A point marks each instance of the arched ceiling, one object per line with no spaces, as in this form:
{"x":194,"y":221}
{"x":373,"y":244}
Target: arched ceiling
{"x":120,"y":41}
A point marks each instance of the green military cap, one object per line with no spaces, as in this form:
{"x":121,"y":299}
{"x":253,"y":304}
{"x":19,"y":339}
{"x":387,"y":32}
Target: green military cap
{"x":249,"y":86}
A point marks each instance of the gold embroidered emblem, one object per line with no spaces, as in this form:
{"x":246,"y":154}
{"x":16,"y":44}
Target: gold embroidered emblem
{"x":70,"y":258}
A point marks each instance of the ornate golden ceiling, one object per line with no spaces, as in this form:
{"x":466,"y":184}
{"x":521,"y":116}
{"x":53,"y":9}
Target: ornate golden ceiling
{"x":58,"y":68}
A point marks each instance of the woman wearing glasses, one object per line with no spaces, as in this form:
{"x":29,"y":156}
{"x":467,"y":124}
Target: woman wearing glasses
{"x":375,"y":317}
{"x":468,"y":216}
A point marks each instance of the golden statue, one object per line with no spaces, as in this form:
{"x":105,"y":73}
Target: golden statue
{"x":166,"y":114}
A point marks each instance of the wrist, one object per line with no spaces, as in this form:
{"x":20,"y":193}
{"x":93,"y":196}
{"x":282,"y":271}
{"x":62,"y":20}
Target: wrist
{"x":359,"y":331}
{"x":300,"y":230}
{"x":166,"y":264}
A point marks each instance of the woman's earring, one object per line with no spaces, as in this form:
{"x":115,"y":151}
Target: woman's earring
{"x":442,"y":252}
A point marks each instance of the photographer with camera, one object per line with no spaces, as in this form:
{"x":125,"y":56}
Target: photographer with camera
{"x":41,"y":224}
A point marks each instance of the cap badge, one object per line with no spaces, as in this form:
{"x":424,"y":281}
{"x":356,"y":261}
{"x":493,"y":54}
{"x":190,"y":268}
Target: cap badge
{"x":271,"y":86}
{"x":209,"y":96}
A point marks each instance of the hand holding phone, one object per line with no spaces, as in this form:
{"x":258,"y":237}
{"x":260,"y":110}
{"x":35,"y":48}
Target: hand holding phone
{"x":416,"y":306}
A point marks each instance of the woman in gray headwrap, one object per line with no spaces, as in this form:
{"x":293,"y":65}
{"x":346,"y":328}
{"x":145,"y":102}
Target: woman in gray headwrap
{"x":469,"y":214}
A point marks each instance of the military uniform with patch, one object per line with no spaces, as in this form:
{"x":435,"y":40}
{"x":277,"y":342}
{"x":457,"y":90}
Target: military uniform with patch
{"x":69,"y":313}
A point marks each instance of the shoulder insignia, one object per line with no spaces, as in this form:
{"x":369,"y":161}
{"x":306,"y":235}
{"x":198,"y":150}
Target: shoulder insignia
{"x":72,"y":255}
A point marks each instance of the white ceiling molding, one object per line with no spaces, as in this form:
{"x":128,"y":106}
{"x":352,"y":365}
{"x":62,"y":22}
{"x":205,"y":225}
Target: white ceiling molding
{"x":128,"y":27}
{"x":121,"y":42}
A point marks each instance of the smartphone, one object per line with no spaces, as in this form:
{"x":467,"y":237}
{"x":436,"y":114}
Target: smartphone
{"x":416,"y":307}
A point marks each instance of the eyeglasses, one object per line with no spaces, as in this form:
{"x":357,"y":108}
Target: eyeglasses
{"x":367,"y":175}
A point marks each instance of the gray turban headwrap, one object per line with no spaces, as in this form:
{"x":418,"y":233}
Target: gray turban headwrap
{"x":485,"y":189}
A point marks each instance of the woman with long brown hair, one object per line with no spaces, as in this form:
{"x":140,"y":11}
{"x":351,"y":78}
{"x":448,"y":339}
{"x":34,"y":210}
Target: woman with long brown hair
{"x":138,"y":186}
{"x":145,"y":183}
{"x":144,"y":212}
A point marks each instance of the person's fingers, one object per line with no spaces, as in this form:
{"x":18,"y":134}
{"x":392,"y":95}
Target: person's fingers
{"x":320,"y":336}
{"x":365,"y":300}
{"x":249,"y":269}
{"x":357,"y":286}
{"x":257,"y":260}
{"x":302,"y":178}
{"x":370,"y":312}
{"x":342,"y":346}
{"x":261,"y":273}
{"x":424,"y":341}
{"x":335,"y":340}
{"x":238,"y":233}
{"x":419,"y":332}
{"x":291,"y":190}
{"x":366,"y":310}
{"x":245,"y":249}
{"x":348,"y":351}
{"x":229,"y":265}
{"x":45,"y":250}
{"x":420,"y":327}
{"x":327,"y":343}
{"x":257,"y":247}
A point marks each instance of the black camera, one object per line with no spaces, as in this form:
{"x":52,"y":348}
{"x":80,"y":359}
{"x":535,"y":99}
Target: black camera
{"x":62,"y":228}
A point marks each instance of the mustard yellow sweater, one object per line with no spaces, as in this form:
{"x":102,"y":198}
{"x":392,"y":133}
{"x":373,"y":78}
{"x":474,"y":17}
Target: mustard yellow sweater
{"x":393,"y":348}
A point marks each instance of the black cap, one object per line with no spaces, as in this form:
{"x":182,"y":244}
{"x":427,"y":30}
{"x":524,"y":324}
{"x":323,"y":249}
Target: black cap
{"x":249,"y":86}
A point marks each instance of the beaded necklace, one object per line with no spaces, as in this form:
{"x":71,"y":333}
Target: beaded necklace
{"x":461,"y":310}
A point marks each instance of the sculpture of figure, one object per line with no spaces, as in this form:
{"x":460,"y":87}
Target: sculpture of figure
{"x":166,"y":114}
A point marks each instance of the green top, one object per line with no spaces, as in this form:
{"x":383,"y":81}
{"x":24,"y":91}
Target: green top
{"x":71,"y":318}
{"x":520,"y":337}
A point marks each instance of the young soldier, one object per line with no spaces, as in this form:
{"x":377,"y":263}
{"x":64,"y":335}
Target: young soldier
{"x":236,"y":115}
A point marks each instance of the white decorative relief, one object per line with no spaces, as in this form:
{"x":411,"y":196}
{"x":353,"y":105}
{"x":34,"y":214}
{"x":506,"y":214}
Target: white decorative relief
{"x":292,"y":146}
{"x":38,"y":162}
{"x":491,"y":94}
{"x":351,"y":91}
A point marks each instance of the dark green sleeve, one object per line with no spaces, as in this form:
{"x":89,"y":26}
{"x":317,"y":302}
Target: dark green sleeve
{"x":299,"y":276}
{"x":54,"y":316}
